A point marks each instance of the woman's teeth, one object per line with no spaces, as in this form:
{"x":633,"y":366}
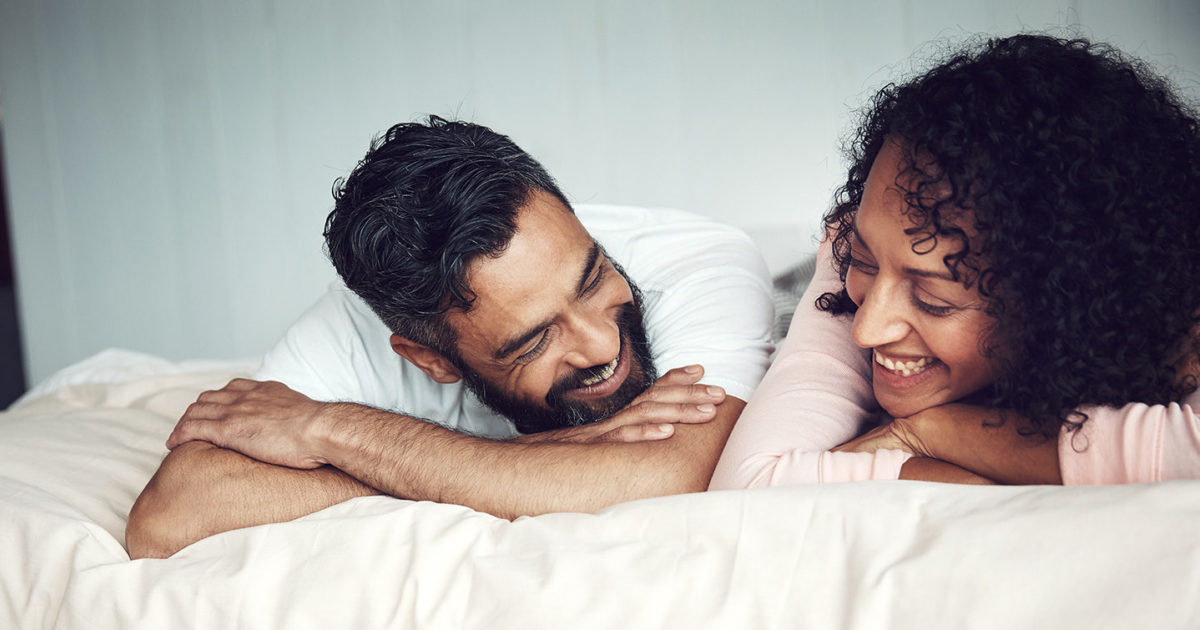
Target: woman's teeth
{"x":904,"y":368}
{"x":604,"y":374}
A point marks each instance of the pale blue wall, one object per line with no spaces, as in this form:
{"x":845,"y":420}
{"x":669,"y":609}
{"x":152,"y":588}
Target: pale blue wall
{"x":169,"y":163}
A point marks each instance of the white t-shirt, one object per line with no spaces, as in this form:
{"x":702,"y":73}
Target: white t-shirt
{"x":707,"y":300}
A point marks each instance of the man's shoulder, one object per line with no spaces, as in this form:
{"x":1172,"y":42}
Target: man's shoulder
{"x":662,"y":244}
{"x":634,"y":221}
{"x":705,"y":285}
{"x":339,"y":350}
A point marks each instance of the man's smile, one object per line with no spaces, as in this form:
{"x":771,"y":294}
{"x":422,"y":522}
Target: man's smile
{"x":607,"y":379}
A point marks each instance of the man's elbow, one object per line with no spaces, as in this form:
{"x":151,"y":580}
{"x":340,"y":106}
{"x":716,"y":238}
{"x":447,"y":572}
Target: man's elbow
{"x":149,"y":533}
{"x":698,"y":461}
{"x":158,"y":523}
{"x":690,"y":472}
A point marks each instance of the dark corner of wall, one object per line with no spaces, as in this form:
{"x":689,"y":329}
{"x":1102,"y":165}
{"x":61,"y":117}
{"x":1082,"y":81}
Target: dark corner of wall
{"x":12,"y":370}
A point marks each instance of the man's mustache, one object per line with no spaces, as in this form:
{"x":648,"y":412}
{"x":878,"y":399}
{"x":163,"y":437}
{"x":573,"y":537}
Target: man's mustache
{"x":577,"y":378}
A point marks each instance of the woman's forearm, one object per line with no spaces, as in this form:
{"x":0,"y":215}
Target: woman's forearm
{"x":986,"y":442}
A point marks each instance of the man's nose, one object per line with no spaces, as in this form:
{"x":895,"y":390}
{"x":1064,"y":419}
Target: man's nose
{"x":882,"y":318}
{"x":596,"y":340}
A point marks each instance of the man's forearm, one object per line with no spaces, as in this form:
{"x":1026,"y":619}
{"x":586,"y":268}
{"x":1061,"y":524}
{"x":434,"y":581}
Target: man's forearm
{"x":201,"y":490}
{"x":404,"y":456}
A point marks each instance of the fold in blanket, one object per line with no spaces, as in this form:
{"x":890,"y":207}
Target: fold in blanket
{"x":869,"y":555}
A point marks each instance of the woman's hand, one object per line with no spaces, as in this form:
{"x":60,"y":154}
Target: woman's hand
{"x":900,"y":434}
{"x":983,"y":440}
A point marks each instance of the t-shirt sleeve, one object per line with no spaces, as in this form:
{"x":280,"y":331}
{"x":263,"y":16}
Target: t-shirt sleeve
{"x":317,"y":355}
{"x":815,"y":396}
{"x":716,"y":311}
{"x":1136,"y":443}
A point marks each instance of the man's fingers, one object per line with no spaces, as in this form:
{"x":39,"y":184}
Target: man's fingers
{"x":241,"y":385}
{"x":657,"y":412}
{"x":638,"y":433}
{"x":686,"y":375}
{"x":197,"y":422}
{"x":188,"y":430}
{"x":695,"y":394}
{"x":219,"y":396}
{"x":205,"y":410}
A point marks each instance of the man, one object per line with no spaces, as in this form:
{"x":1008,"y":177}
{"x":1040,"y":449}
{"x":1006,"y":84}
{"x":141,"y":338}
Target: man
{"x":496,"y":352}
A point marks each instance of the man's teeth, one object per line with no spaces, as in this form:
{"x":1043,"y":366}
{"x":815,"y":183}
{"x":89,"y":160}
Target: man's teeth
{"x":605,"y":372}
{"x":904,"y":368}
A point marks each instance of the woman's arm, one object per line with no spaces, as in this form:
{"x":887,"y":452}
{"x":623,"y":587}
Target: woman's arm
{"x":815,"y":395}
{"x":981,"y":440}
{"x":1136,"y":443}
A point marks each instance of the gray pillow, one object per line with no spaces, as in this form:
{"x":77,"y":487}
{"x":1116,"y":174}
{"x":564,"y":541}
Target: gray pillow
{"x":788,"y":287}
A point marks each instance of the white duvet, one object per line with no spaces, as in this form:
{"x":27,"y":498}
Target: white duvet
{"x":870,"y":555}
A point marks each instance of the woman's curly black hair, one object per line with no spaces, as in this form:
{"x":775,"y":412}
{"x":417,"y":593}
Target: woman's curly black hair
{"x":1079,"y":169}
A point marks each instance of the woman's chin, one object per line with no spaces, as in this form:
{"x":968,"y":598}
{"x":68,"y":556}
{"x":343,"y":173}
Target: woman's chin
{"x":901,"y":407}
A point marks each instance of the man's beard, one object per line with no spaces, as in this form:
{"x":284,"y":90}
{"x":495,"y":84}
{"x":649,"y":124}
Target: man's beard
{"x":562,"y":412}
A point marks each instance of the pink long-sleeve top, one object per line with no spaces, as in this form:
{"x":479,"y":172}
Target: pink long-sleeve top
{"x":817,"y":395}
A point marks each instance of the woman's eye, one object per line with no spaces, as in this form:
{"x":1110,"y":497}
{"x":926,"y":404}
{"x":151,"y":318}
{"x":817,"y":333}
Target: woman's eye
{"x":931,"y":309}
{"x":863,"y":266}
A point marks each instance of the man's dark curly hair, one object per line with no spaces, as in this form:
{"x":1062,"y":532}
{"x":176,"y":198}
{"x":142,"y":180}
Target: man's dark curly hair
{"x":1079,"y":170}
{"x":428,"y":199}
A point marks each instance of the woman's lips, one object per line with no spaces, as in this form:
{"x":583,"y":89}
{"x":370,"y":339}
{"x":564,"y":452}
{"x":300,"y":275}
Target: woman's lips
{"x":897,"y":380}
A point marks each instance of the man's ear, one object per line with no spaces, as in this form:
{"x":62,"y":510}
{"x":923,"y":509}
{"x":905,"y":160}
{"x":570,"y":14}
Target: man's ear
{"x":431,"y":362}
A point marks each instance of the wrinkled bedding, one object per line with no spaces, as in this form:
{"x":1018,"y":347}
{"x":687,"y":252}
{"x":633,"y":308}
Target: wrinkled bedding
{"x":870,"y":555}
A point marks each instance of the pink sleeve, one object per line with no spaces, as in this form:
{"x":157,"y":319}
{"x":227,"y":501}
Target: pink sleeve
{"x":815,"y":396}
{"x":1136,"y":443}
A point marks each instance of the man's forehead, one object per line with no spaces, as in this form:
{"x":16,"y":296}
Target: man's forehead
{"x":530,"y":280}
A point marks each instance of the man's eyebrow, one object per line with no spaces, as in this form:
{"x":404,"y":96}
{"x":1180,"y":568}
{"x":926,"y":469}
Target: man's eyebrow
{"x":586,"y":272}
{"x":514,"y":344}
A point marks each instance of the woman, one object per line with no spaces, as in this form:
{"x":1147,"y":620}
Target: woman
{"x":1012,"y":271}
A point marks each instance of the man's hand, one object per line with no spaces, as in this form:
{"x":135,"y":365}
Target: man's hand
{"x":403,"y":456}
{"x":264,"y":420}
{"x":675,"y":398}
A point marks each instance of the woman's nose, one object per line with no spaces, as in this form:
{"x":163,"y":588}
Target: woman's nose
{"x":882,"y":317}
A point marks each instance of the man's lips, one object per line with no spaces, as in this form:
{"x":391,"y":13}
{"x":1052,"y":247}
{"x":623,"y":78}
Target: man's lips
{"x":609,"y":385}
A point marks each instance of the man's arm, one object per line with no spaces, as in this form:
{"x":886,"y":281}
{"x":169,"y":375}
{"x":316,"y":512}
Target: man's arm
{"x":201,"y":490}
{"x":405,"y":457}
{"x":408,"y":457}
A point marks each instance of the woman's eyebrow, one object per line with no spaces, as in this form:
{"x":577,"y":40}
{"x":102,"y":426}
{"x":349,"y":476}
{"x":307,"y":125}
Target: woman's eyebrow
{"x":925,"y":273}
{"x":912,"y":271}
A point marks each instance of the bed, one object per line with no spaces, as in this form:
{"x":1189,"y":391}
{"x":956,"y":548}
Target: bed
{"x":76,"y":451}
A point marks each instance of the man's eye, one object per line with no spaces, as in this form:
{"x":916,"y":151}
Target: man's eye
{"x":536,"y":350}
{"x":595,"y":283}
